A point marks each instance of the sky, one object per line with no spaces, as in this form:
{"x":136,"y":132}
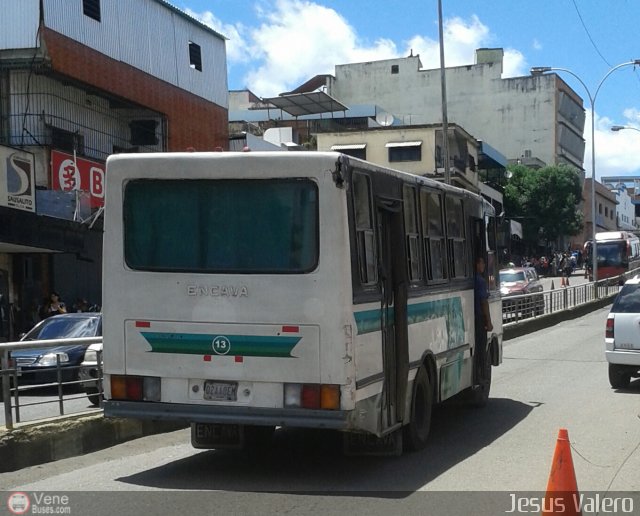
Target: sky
{"x":276,"y":45}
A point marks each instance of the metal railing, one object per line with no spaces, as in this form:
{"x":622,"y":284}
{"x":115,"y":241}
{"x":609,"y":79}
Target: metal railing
{"x":516,"y":309}
{"x":11,"y":373}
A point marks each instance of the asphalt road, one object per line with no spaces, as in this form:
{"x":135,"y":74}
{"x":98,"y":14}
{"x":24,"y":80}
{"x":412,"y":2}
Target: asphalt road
{"x":478,"y":461}
{"x":577,"y":278}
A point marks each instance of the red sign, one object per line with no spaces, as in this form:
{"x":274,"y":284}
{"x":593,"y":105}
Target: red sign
{"x":82,"y":175}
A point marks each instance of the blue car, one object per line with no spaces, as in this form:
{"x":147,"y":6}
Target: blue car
{"x":39,"y":365}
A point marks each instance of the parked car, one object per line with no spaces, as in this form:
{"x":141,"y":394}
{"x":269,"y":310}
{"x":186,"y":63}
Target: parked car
{"x":90,"y":373}
{"x":622,"y":336}
{"x":518,"y":281}
{"x":39,"y":365}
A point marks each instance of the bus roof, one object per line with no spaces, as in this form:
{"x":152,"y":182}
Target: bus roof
{"x":614,"y":235}
{"x":248,"y":157}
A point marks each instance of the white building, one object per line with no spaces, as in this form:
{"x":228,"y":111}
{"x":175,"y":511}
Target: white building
{"x":625,"y":209}
{"x":533,"y":117}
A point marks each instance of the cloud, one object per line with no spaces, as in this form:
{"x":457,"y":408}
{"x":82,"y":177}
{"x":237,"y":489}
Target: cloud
{"x":461,"y":39}
{"x":536,"y":45}
{"x":616,"y":152}
{"x":299,"y":39}
{"x":238,"y":49}
{"x":514,"y":64}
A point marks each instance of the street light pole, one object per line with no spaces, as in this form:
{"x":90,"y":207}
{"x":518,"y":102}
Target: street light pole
{"x":443,"y":93}
{"x":540,"y":70}
{"x":616,"y":128}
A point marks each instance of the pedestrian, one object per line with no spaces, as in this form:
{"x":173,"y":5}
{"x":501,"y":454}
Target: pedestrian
{"x":52,"y":306}
{"x":81,"y":305}
{"x":483,"y":323}
{"x":565,"y":269}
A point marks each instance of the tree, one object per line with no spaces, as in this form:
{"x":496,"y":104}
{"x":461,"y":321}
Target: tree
{"x":545,"y":201}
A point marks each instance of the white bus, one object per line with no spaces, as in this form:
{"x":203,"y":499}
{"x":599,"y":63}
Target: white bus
{"x":248,"y":291}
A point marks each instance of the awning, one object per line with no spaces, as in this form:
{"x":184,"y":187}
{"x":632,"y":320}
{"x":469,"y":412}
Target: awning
{"x":516,"y":229}
{"x":490,"y":158}
{"x":307,"y":103}
{"x":349,"y":146}
{"x":404,"y":144}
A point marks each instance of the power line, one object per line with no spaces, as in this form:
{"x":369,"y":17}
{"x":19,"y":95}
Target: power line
{"x":589,"y":35}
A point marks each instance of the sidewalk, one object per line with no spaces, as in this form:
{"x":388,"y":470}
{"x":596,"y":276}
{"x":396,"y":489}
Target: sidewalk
{"x":30,"y":444}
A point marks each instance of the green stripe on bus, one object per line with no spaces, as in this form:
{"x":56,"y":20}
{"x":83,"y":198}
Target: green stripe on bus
{"x":232,"y":345}
{"x":368,"y":321}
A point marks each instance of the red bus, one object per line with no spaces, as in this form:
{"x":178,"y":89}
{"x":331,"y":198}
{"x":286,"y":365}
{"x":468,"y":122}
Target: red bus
{"x":618,"y":252}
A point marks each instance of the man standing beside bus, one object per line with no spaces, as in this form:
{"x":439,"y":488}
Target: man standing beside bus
{"x":482,"y":318}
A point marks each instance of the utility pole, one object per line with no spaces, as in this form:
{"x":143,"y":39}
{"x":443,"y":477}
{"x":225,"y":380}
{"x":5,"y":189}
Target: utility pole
{"x":445,"y":121}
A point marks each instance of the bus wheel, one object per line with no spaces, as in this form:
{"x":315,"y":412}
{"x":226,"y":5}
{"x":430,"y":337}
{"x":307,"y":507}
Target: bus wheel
{"x":415,"y":434}
{"x":619,"y":376}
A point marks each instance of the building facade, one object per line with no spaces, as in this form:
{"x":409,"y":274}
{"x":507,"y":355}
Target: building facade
{"x":413,"y":149}
{"x":625,"y":210}
{"x":534,"y":118}
{"x":630,"y":184}
{"x":605,"y":205}
{"x":80,"y":81}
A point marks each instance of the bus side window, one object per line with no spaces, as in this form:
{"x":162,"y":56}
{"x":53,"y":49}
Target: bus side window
{"x":411,"y":232}
{"x":434,"y":249}
{"x":456,"y":237}
{"x":492,"y":245}
{"x":365,"y":236}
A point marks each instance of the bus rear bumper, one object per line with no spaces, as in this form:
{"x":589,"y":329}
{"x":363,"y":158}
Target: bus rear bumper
{"x":302,"y":418}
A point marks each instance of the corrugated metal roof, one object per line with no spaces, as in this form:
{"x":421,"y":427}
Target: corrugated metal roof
{"x":307,"y":103}
{"x":190,"y":18}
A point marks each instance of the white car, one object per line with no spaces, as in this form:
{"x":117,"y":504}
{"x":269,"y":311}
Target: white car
{"x":622,"y":336}
{"x":90,"y":373}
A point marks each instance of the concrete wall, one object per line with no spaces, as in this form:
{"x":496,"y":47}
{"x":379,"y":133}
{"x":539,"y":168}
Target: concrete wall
{"x":192,"y":121}
{"x":377,"y":152}
{"x":517,"y":114}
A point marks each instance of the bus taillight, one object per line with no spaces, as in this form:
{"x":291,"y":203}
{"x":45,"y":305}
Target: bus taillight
{"x":135,"y":388}
{"x":312,"y":396}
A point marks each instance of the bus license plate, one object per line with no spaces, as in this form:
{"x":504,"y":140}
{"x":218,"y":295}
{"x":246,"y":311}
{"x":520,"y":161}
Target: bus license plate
{"x":220,"y":391}
{"x":213,"y":435}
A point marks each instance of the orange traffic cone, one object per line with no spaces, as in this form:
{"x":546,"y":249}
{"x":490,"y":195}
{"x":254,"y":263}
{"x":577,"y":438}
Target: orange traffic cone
{"x":562,"y":489}
{"x":552,"y":285}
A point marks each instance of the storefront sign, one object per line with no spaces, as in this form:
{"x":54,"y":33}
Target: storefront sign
{"x":17,"y":180}
{"x":67,"y":175}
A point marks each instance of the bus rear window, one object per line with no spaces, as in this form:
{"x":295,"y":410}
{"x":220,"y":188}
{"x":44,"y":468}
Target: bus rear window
{"x":221,"y":226}
{"x":612,"y":254}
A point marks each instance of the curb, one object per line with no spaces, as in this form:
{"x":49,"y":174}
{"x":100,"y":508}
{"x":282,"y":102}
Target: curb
{"x":33,"y":444}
